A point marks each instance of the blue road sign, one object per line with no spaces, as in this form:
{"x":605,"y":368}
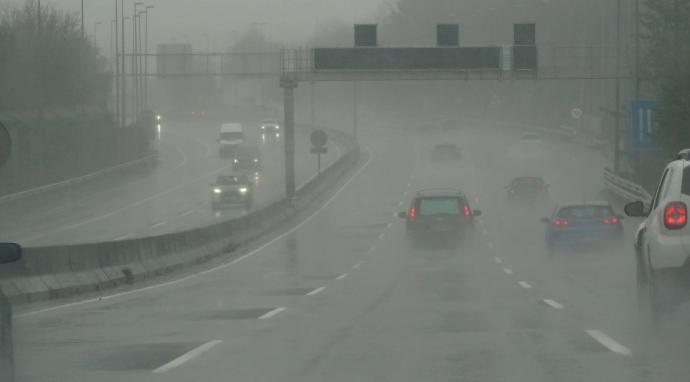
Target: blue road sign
{"x":643,"y":125}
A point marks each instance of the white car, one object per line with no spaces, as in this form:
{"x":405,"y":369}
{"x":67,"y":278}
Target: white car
{"x":662,"y":241}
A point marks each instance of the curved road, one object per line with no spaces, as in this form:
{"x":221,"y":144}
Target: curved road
{"x":341,"y":296}
{"x":173,"y":196}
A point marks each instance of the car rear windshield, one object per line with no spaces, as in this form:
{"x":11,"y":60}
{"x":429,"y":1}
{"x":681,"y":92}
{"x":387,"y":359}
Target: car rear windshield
{"x":231,"y":135}
{"x":229,"y":180}
{"x":584,"y":212}
{"x":685,"y":187}
{"x":439,"y":205}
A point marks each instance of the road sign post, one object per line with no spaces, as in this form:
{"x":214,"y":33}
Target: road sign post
{"x":318,"y":139}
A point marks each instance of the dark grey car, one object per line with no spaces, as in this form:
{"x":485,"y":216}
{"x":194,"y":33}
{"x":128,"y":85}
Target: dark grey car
{"x":439,"y":215}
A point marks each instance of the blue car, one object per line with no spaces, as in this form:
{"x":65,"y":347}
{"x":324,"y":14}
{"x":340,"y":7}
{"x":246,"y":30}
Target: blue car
{"x":582,"y":222}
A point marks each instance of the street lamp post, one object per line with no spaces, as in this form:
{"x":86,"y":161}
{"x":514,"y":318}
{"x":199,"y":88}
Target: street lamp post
{"x":95,"y":31}
{"x":135,"y":72}
{"x":146,"y":57}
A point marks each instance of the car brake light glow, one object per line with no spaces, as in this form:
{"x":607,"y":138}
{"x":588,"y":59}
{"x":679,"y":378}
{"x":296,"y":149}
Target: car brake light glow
{"x":675,"y":215}
{"x":435,"y":152}
{"x":558,"y":222}
{"x":613,"y":220}
{"x":412,"y":213}
{"x":466,"y":210}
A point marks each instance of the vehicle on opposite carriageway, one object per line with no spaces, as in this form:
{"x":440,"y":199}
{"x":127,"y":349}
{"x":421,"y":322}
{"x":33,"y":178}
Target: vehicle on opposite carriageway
{"x":232,"y":189}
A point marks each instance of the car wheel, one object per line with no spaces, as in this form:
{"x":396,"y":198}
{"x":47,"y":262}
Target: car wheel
{"x":648,"y":304}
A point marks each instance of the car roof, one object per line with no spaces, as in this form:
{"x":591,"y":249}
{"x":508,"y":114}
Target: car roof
{"x":231,"y":126}
{"x":596,"y":203}
{"x":432,"y":192}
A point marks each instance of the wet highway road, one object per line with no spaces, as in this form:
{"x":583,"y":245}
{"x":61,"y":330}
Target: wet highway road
{"x":342,"y":297}
{"x":172,"y":196}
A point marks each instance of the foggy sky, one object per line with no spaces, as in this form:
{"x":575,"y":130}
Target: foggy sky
{"x":287,"y":21}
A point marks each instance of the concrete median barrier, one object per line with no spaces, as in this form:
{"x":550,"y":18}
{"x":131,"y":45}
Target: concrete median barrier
{"x":59,"y":271}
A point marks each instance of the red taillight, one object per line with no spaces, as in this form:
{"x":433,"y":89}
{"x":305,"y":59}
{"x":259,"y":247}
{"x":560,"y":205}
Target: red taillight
{"x":412,"y":212}
{"x":558,"y":222}
{"x":613,"y":220}
{"x":466,"y":210}
{"x":675,"y":215}
{"x":435,"y":152}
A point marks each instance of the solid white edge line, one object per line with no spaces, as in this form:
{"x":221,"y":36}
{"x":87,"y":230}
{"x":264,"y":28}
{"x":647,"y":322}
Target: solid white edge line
{"x":316,"y":291}
{"x":552,"y":303}
{"x":272,"y":313}
{"x":341,"y":276}
{"x":127,"y":236}
{"x":210,"y":270}
{"x":186,"y":357}
{"x":359,"y":264}
{"x":508,"y":271}
{"x":162,"y":223}
{"x":524,"y":284}
{"x":608,"y":342}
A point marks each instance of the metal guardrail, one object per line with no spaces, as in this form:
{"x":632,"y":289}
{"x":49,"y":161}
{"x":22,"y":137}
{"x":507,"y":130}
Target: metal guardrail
{"x":625,"y":188}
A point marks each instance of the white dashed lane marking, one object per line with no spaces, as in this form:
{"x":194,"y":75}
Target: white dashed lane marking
{"x":508,"y":271}
{"x":552,"y":303}
{"x":186,"y":213}
{"x":164,"y":222}
{"x":316,"y":291}
{"x":186,"y":357}
{"x":123,"y":237}
{"x":490,"y":245}
{"x":359,"y":264}
{"x":498,"y":260}
{"x":524,"y":284}
{"x":371,"y":249}
{"x":341,"y":276}
{"x":381,"y":236}
{"x":608,"y":342}
{"x":272,"y":313}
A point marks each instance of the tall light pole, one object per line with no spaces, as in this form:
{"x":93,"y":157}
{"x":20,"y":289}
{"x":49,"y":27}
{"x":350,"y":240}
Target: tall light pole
{"x":140,"y":59}
{"x":123,"y":72}
{"x":135,"y":78}
{"x":95,"y":32}
{"x":146,"y":57}
{"x":82,"y":18}
{"x":116,"y":68}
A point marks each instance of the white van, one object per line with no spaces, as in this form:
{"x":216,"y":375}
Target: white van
{"x":231,"y":135}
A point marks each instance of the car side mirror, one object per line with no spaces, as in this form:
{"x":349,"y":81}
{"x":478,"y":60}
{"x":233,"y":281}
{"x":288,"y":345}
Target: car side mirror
{"x":636,"y":209}
{"x":545,"y":220}
{"x":402,"y":215}
{"x":477,"y":213}
{"x":10,"y":252}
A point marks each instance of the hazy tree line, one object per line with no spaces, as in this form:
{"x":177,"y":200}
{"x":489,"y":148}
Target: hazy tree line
{"x":46,"y":64}
{"x":665,"y":35}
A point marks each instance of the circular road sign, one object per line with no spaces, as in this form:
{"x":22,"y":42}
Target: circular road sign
{"x":5,"y":145}
{"x":576,"y":113}
{"x":318,"y":138}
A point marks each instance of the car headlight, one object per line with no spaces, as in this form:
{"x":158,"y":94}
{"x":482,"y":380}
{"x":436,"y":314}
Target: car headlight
{"x":263,"y":127}
{"x":158,"y":117}
{"x":235,"y":161}
{"x":277,"y":127}
{"x":217,"y":191}
{"x":256,"y":160}
{"x":243,"y":190}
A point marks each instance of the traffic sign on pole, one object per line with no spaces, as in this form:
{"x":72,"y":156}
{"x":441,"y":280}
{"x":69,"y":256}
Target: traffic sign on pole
{"x":643,"y":125}
{"x":576,"y":113}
